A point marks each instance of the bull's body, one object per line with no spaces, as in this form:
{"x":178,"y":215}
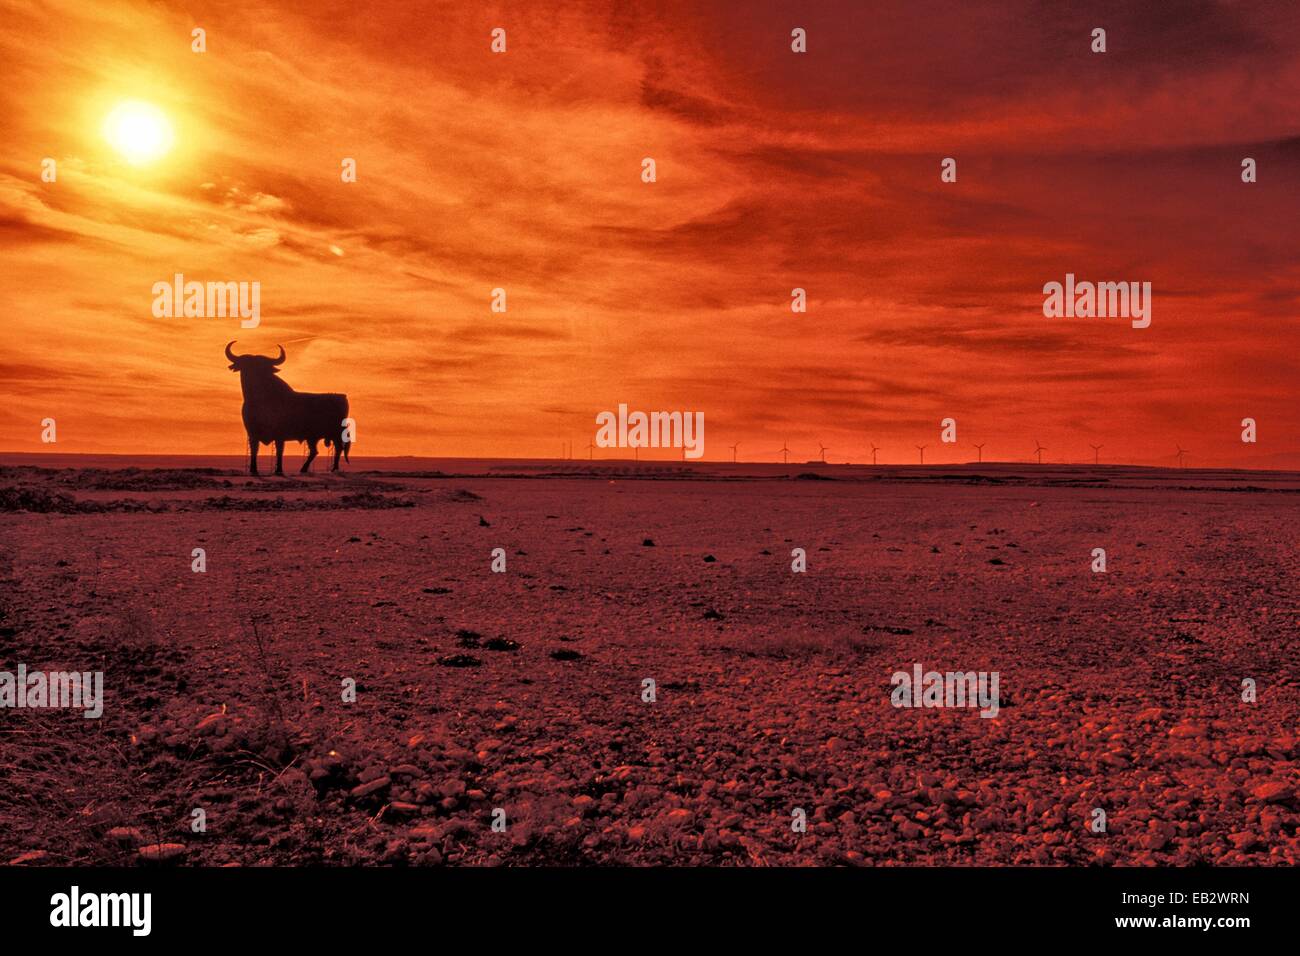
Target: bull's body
{"x":274,"y":413}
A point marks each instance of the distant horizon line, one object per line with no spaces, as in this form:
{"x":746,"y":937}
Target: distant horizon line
{"x":359,"y":458}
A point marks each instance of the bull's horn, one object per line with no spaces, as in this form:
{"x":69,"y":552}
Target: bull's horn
{"x":229,"y":354}
{"x":280,"y":360}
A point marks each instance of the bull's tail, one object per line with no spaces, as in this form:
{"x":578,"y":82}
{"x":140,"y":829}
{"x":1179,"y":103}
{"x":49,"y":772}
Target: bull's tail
{"x":347,"y":445}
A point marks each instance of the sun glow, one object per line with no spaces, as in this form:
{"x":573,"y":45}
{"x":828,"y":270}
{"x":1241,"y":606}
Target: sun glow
{"x":139,"y":131}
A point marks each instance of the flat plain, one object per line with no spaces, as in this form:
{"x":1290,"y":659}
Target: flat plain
{"x":524,"y":691}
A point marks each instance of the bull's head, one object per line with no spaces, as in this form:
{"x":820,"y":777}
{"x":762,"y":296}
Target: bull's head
{"x":254,"y":363}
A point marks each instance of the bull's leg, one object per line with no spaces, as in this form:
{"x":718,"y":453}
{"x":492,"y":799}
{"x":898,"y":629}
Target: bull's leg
{"x":338,"y":450}
{"x":279,"y":456}
{"x":311,"y":455}
{"x":252,"y":456}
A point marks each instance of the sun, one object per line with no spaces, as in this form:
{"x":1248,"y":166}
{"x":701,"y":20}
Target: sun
{"x":139,"y":131}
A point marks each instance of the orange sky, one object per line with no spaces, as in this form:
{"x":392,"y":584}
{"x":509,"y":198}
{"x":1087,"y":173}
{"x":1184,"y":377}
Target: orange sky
{"x":775,"y":170}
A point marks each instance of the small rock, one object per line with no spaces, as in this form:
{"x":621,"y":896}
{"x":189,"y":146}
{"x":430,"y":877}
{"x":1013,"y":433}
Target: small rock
{"x":126,"y":836}
{"x":1154,"y":841}
{"x":459,"y":660}
{"x":211,"y":725}
{"x":1243,"y":842}
{"x":162,"y":852}
{"x":374,"y":786}
{"x":1275,"y":791}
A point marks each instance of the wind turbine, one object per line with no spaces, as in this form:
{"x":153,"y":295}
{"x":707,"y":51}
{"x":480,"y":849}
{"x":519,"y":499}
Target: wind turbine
{"x":785,"y":453}
{"x":921,"y":449}
{"x":733,"y":452}
{"x":1096,"y":453}
{"x":591,"y":447}
{"x":979,"y":449}
{"x":1181,"y":452}
{"x":824,"y":450}
{"x":874,"y":449}
{"x":1038,"y":450}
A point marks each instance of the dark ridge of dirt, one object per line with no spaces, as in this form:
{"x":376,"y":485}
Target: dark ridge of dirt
{"x":137,"y":479}
{"x":404,"y":474}
{"x":364,"y":500}
{"x":44,"y":502}
{"x":39,"y":501}
{"x":35,"y":500}
{"x":122,"y":479}
{"x":972,"y":479}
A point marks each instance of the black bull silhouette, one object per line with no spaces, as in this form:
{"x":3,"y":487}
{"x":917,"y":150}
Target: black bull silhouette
{"x":275,"y":413}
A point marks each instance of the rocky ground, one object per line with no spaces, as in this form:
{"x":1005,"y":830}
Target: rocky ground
{"x":522,"y":691}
